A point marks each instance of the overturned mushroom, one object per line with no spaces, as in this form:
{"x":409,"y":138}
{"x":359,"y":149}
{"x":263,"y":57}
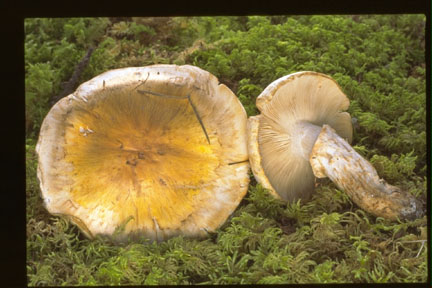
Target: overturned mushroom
{"x":158,"y":150}
{"x":303,"y":133}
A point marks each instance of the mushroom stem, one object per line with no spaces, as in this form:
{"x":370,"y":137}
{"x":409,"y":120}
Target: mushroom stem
{"x":333,"y":157}
{"x":305,"y":135}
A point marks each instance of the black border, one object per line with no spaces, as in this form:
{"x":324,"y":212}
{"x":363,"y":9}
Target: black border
{"x":12,"y":47}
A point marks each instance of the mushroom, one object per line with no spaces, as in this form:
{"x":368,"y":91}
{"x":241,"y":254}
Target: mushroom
{"x":303,"y":133}
{"x":159,"y":151}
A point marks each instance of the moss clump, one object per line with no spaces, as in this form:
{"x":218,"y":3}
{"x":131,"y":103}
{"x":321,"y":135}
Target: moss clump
{"x":379,"y":63}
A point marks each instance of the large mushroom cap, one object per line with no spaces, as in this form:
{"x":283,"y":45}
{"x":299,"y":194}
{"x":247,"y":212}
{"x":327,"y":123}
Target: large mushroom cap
{"x":160,"y":150}
{"x":280,"y":139}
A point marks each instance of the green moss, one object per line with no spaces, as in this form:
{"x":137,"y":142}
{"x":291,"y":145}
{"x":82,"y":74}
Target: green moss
{"x":379,"y":63}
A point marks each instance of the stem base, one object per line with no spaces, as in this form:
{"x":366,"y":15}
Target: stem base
{"x":333,"y":157}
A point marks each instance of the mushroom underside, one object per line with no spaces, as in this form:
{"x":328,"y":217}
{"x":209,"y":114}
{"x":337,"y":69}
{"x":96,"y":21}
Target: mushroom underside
{"x":293,"y":110}
{"x":303,"y":133}
{"x":153,"y":152}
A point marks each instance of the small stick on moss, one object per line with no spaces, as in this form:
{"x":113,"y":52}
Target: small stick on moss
{"x":70,"y":85}
{"x":417,"y":241}
{"x":421,"y":248}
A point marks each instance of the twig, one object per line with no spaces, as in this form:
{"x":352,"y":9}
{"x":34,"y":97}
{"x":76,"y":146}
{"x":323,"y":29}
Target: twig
{"x":238,"y":162}
{"x":416,"y":241}
{"x":199,"y":119}
{"x":421,"y":248}
{"x":161,"y":95}
{"x":70,"y":85}
{"x":178,"y":97}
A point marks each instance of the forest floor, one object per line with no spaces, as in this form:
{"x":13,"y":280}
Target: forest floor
{"x":379,"y":62}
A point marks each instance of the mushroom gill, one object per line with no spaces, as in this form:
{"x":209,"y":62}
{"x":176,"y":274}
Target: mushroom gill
{"x":303,"y":133}
{"x":150,"y":148}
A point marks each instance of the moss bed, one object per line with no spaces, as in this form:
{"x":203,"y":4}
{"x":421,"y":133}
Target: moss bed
{"x":379,"y":61}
